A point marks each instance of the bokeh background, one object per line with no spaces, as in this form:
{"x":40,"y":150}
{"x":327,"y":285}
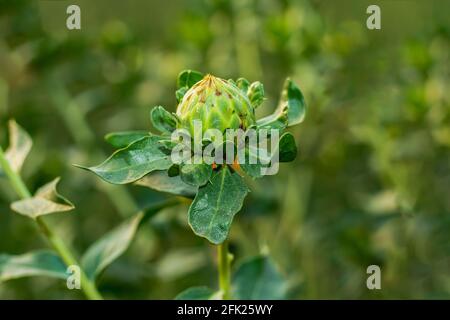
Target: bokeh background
{"x":371,"y":184}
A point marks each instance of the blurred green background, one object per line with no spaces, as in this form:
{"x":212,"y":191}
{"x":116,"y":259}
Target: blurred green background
{"x":371,"y":184}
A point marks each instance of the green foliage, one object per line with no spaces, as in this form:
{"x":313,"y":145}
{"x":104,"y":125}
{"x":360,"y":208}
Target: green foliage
{"x":197,"y":293}
{"x":45,"y":201}
{"x":36,"y":263}
{"x":258,"y":279}
{"x":107,"y":249}
{"x":161,"y":181}
{"x":133,"y":162}
{"x":123,"y":139}
{"x":196,"y":174}
{"x":187,"y":78}
{"x":290,"y":111}
{"x":163,"y":120}
{"x":371,"y":184}
{"x":256,"y":94}
{"x":287,"y":148}
{"x":216,"y":203}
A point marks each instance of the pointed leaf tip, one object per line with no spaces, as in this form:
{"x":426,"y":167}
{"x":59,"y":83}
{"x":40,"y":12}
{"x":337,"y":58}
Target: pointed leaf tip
{"x":130,"y":164}
{"x":46,"y":200}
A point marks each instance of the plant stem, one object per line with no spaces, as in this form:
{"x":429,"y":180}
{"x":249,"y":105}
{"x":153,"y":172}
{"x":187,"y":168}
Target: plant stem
{"x":224,"y":261}
{"x":56,"y":242}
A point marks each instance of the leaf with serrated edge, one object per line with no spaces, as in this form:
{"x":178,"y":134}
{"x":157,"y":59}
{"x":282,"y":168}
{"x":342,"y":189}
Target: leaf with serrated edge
{"x":161,"y":181}
{"x":213,"y":209}
{"x":45,"y":201}
{"x":290,"y":111}
{"x":123,"y":138}
{"x":20,"y":144}
{"x":258,"y":279}
{"x":133,"y":162}
{"x":199,"y":293}
{"x":36,"y":263}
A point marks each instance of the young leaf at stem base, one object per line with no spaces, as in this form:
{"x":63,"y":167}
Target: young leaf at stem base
{"x":213,"y":209}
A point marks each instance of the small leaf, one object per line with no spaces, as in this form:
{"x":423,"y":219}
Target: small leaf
{"x":133,"y":162}
{"x":198,"y":293}
{"x":243,"y":84}
{"x":108,"y":248}
{"x":187,"y":78}
{"x":196,"y":174}
{"x":290,"y":111}
{"x":124,"y":138}
{"x":256,"y":94}
{"x":45,"y":201}
{"x":179,"y":94}
{"x":212,"y":211}
{"x":163,"y":120}
{"x":258,"y":279}
{"x":287,"y":148}
{"x":161,"y":181}
{"x":20,"y":144}
{"x":37,"y":263}
{"x":113,"y":244}
{"x":254,"y":170}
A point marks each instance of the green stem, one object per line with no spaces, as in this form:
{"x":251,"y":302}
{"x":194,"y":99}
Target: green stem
{"x":224,"y":261}
{"x":56,"y":242}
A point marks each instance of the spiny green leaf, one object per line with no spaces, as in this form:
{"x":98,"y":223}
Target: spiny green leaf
{"x":133,"y":162}
{"x":163,"y":120}
{"x":113,"y":244}
{"x":198,"y":293}
{"x":290,"y":111}
{"x":161,"y":181}
{"x":258,"y":279}
{"x":196,"y":174}
{"x":287,"y":148}
{"x":36,"y":263}
{"x":45,"y":201}
{"x":256,"y":94}
{"x":20,"y":144}
{"x":212,"y":211}
{"x":124,"y":138}
{"x":187,"y":78}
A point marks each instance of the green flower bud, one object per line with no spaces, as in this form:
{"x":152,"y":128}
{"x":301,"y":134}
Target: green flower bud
{"x":218,"y":104}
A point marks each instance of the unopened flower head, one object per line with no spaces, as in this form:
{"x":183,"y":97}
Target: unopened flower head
{"x":217,"y":104}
